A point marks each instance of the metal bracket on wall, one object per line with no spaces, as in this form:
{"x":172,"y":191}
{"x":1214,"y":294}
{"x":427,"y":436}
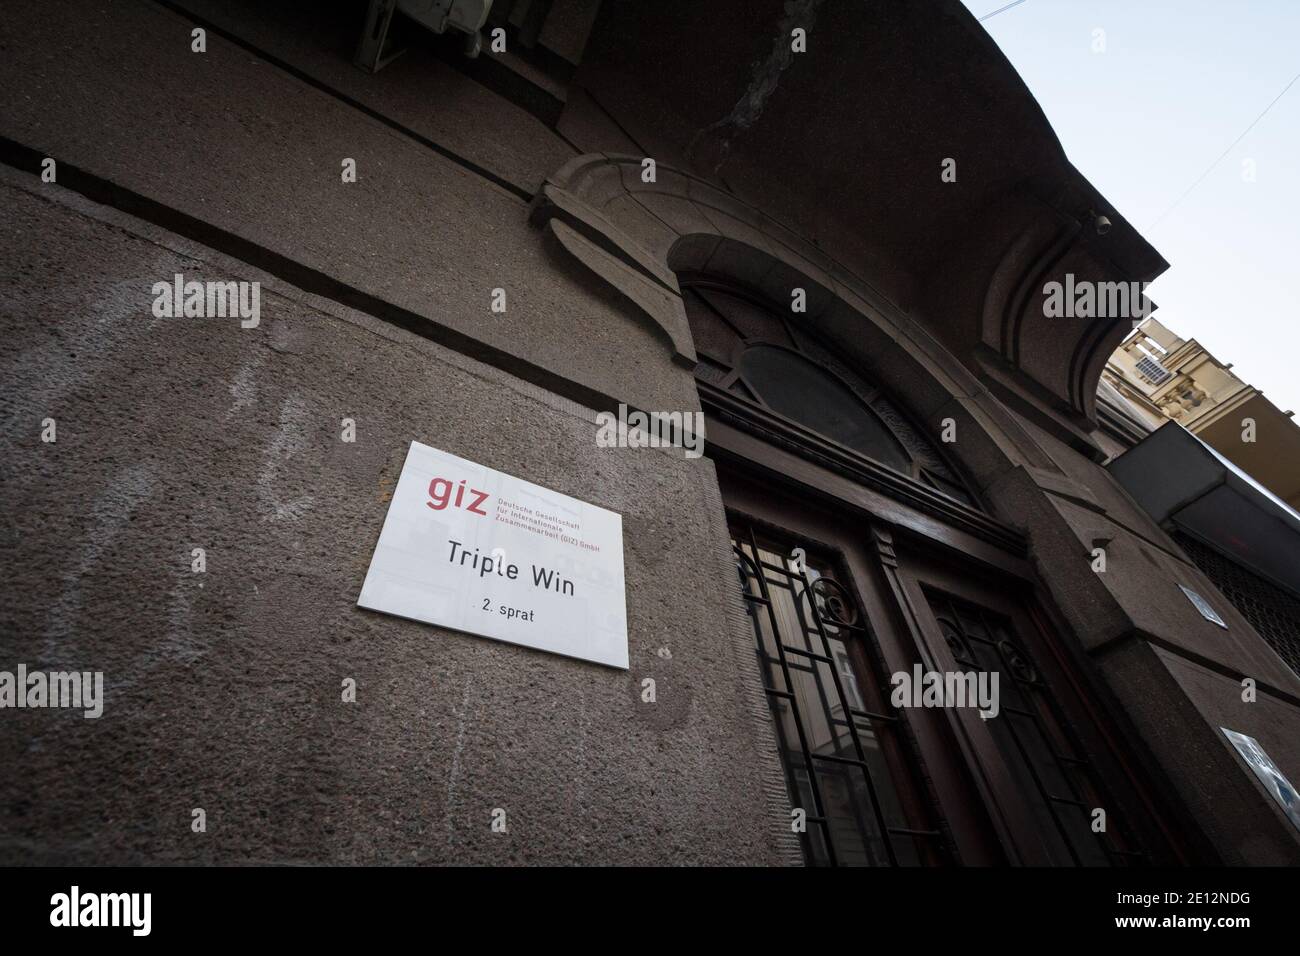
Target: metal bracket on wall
{"x":370,"y":51}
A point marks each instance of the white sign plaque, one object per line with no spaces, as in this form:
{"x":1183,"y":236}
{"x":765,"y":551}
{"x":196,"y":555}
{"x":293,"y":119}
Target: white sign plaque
{"x":476,"y":550}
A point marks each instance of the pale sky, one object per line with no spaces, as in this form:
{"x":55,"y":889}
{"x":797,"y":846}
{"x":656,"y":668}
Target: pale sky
{"x":1178,"y":82}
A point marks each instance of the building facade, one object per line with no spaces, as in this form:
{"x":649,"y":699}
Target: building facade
{"x":824,"y":226}
{"x":1218,"y":466}
{"x":1163,"y":377}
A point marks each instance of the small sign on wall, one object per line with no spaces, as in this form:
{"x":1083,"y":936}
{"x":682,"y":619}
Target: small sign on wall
{"x":1273,"y":779}
{"x":1203,"y":606}
{"x":473,"y":549}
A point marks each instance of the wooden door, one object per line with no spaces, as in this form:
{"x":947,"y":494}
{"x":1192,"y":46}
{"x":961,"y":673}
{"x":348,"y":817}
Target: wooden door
{"x":840,"y":603}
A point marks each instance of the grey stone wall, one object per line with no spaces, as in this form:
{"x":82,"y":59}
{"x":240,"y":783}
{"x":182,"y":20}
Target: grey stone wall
{"x":223,"y":689}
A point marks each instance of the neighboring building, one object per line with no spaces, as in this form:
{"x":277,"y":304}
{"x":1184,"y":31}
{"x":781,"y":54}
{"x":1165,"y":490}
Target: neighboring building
{"x":1220,"y":472}
{"x":837,"y":255}
{"x":1166,"y":378}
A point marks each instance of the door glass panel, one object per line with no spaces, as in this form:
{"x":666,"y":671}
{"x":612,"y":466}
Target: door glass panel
{"x":806,"y":625}
{"x":800,"y":390}
{"x":1035,"y":740}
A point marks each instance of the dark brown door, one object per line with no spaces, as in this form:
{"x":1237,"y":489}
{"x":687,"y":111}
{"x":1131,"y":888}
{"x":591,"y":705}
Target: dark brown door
{"x":840,"y":603}
{"x":852,"y":761}
{"x":845,"y":767}
{"x":1032,"y":761}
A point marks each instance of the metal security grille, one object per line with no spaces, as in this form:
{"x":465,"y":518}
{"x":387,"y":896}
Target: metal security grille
{"x":1037,"y":741}
{"x":1270,"y":609}
{"x":833,"y":748}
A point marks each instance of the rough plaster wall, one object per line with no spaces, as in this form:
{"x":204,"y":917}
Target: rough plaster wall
{"x":223,"y":688}
{"x":425,"y":94}
{"x":1144,"y":569}
{"x":253,"y":151}
{"x":1141,"y":629}
{"x":1170,"y":697}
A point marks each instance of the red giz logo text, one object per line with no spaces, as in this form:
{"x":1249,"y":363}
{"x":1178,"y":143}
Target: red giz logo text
{"x":440,"y":496}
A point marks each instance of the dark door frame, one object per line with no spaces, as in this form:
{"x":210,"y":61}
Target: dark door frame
{"x":986,"y":817}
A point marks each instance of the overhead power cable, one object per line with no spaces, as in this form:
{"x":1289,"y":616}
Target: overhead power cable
{"x":1209,"y":169}
{"x":988,"y":16}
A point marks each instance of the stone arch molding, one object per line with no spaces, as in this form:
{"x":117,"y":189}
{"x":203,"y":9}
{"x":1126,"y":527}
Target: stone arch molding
{"x":639,"y":235}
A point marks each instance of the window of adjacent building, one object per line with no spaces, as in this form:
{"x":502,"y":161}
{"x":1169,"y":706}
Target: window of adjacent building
{"x":1153,"y":371}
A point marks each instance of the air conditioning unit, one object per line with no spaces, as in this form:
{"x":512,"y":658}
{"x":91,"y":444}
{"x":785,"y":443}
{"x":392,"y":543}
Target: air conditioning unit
{"x":1153,"y":371}
{"x":462,"y":16}
{"x":465,"y":16}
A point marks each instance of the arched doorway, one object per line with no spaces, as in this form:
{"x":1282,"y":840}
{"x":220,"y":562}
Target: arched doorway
{"x":867,"y":565}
